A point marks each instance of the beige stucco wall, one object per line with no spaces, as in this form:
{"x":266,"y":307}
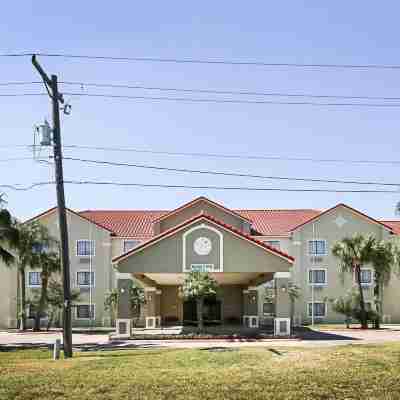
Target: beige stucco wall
{"x":326,"y":228}
{"x":207,"y":208}
{"x":239,"y":255}
{"x":8,"y":296}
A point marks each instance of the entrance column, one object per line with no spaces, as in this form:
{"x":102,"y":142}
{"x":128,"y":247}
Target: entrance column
{"x":153,"y":307}
{"x":282,"y":324}
{"x":123,"y":319}
{"x":250,"y":308}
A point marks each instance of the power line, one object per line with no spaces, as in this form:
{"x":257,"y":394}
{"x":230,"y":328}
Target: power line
{"x":18,"y":187}
{"x":208,"y":61}
{"x":232,"y":156}
{"x":16,"y":159}
{"x":233,"y":174}
{"x":234,"y":101}
{"x":22,"y":94}
{"x":209,"y":91}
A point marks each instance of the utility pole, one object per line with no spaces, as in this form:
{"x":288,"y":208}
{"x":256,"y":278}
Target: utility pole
{"x":56,"y":97}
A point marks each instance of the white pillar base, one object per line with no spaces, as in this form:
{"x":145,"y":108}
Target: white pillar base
{"x":251,"y":321}
{"x":123,"y":328}
{"x":153,"y":322}
{"x":282,"y":327}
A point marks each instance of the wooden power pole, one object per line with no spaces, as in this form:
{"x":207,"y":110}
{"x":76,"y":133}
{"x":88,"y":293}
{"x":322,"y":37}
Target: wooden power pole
{"x":56,"y":97}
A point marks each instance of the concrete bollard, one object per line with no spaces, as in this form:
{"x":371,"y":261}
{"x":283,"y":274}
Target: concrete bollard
{"x":56,"y":349}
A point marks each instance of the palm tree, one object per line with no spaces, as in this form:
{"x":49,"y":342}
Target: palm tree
{"x":294,"y":294}
{"x":198,"y":286}
{"x":9,"y":236}
{"x":384,"y":259}
{"x":353,"y":253}
{"x":33,"y":239}
{"x":50,"y":263}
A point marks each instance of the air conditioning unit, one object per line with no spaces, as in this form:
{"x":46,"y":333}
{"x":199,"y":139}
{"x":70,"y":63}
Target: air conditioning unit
{"x":282,"y":327}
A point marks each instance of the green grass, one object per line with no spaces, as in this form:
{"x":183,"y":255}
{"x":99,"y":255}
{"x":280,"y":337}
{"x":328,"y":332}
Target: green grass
{"x":343,"y":372}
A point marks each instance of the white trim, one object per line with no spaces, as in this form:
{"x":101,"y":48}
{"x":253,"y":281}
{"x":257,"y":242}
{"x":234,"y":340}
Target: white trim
{"x":93,"y":283}
{"x":28,"y":280}
{"x":175,"y":230}
{"x":150,"y":289}
{"x":317,"y":240}
{"x":317,"y":269}
{"x":221,"y":244}
{"x":277,"y":327}
{"x":128,"y":327}
{"x":92,"y":247}
{"x":252,"y":288}
{"x":251,"y":321}
{"x":155,"y":322}
{"x":85,"y":319}
{"x":316,"y":316}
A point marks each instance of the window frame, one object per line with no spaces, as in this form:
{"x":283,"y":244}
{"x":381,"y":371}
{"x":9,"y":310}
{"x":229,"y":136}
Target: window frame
{"x":317,"y":254}
{"x":85,"y":318}
{"x":317,"y":316}
{"x":90,"y":285}
{"x":317,"y":269}
{"x":139,"y":242}
{"x":372,"y":276}
{"x":268,"y":243}
{"x":29,"y":279}
{"x":93,"y":247}
{"x":268,"y":314}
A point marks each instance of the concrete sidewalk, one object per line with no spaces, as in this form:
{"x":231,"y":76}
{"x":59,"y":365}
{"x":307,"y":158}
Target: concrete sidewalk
{"x":92,"y":342}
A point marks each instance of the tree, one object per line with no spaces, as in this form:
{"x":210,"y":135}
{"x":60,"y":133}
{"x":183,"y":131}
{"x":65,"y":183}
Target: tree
{"x":198,"y":286}
{"x":55,"y":301}
{"x":385,"y":257}
{"x":50,"y":263}
{"x":294,"y":294}
{"x":111,"y":302}
{"x":136,"y":300}
{"x":346,"y":305}
{"x":353,"y":253}
{"x":9,"y":236}
{"x":34,"y":240}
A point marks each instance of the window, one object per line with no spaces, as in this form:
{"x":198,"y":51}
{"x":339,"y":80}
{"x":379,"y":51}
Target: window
{"x":273,"y":243}
{"x":85,"y":278}
{"x":269,"y":309}
{"x":130,"y":244}
{"x":85,"y":248}
{"x":366,"y":276}
{"x":34,"y":279}
{"x":39,"y":248}
{"x":319,"y":309}
{"x":317,"y":276}
{"x":317,"y":247}
{"x":203,"y":267}
{"x":84,"y":311}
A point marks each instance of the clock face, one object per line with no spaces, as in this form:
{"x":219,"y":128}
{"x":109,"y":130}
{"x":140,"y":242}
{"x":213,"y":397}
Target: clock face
{"x":202,"y":246}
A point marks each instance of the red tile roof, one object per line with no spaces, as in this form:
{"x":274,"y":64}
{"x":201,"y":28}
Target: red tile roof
{"x":131,"y":223}
{"x":170,"y":231}
{"x":395,"y":225}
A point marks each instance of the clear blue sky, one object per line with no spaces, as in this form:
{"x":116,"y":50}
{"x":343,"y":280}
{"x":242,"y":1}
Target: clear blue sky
{"x":294,"y":32}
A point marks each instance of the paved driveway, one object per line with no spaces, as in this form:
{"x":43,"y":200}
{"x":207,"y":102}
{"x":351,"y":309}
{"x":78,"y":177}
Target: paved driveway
{"x":91,"y":342}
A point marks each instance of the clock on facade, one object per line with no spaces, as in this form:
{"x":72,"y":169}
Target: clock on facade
{"x":202,"y":246}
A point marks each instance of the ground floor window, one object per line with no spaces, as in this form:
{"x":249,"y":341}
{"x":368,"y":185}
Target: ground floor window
{"x":366,"y":276}
{"x":269,"y":309}
{"x":84,"y":311}
{"x":34,"y":279}
{"x":319,"y":309}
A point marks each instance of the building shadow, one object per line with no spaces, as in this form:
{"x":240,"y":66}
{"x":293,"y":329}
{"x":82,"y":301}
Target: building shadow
{"x":306,"y":333}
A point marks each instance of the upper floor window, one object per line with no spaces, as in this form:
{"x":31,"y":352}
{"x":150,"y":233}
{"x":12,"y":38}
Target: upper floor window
{"x":317,"y":276}
{"x":85,"y":248}
{"x":317,"y":247}
{"x":39,"y":248}
{"x":366,"y":276}
{"x":319,"y":309}
{"x":269,"y":309}
{"x":273,"y":243}
{"x":34,"y":279}
{"x":85,"y":278}
{"x":130,"y":244}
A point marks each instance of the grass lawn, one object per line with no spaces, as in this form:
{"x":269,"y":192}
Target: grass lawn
{"x":343,"y":372}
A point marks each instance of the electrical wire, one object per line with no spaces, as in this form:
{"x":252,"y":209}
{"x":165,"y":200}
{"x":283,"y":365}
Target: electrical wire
{"x":206,"y":61}
{"x":233,"y":174}
{"x":231,"y":156}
